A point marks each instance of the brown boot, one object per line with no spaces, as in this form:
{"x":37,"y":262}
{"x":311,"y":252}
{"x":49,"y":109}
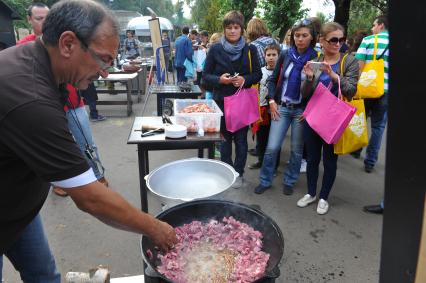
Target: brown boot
{"x":103,"y":181}
{"x":60,"y":192}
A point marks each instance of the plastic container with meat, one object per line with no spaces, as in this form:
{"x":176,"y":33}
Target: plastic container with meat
{"x":194,"y":112}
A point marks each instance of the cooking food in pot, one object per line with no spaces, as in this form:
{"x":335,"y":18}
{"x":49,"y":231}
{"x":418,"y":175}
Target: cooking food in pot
{"x":197,"y":108}
{"x":215,"y":252}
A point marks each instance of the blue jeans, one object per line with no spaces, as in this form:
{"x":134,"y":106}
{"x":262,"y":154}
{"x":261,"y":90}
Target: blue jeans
{"x":288,"y":117}
{"x":31,"y":256}
{"x":314,"y":145}
{"x":379,"y":118}
{"x":377,"y":109}
{"x":83,"y":135}
{"x":241,"y":147}
{"x":180,"y":73}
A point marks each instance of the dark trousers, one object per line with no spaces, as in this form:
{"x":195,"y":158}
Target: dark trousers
{"x":90,"y":97}
{"x":180,"y":73}
{"x":262,"y":141}
{"x":314,"y":146}
{"x":241,"y":147}
{"x":198,"y":80}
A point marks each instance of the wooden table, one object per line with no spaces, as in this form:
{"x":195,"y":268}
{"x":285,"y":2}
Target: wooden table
{"x":160,"y":142}
{"x":127,"y":78}
{"x":172,"y":91}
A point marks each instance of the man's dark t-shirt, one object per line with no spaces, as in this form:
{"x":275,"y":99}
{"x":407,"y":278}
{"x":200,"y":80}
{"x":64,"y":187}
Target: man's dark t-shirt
{"x":36,"y":146}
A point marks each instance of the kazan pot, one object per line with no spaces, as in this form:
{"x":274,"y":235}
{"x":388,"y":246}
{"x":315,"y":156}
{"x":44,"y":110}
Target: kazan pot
{"x":190,"y":179}
{"x":206,"y":210}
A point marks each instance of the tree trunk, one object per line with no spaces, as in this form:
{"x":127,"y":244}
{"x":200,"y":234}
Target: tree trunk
{"x":341,"y":15}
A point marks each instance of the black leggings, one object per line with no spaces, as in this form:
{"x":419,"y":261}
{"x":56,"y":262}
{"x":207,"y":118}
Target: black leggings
{"x":314,"y":145}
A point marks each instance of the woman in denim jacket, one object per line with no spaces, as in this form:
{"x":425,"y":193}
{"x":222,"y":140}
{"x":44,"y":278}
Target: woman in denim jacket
{"x":332,"y":61}
{"x":286,"y":106}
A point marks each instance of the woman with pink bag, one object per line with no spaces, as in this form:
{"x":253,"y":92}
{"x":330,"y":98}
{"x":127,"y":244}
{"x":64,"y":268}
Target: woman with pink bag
{"x":326,"y":69}
{"x":230,"y":64}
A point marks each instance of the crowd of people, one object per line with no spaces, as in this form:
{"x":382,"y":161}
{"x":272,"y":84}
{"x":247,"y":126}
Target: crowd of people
{"x":76,"y":42}
{"x":287,"y":74}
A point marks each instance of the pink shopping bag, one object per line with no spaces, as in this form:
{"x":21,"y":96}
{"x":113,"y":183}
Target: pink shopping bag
{"x":327,"y":114}
{"x":241,"y":109}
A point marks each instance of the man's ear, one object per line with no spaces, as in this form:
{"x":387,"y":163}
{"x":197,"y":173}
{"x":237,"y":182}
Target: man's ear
{"x":68,"y":44}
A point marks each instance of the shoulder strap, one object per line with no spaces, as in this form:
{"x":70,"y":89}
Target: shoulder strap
{"x":384,"y":51}
{"x":342,"y":62}
{"x":375,"y":47}
{"x":249,"y":55}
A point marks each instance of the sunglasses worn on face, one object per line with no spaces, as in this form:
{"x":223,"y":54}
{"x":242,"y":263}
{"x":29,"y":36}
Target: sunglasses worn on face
{"x":335,"y":40}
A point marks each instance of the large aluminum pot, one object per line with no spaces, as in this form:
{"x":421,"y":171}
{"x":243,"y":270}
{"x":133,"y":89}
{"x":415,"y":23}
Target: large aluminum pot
{"x":190,"y":179}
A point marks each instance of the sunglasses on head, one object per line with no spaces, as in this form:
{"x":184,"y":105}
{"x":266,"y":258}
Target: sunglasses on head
{"x":335,"y":40}
{"x":304,"y":22}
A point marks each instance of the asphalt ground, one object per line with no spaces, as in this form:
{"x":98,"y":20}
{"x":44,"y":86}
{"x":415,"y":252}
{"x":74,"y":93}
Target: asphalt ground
{"x":341,"y":246}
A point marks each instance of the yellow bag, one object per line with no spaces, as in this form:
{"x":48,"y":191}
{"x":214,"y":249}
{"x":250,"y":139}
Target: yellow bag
{"x":371,"y":83}
{"x":355,"y":135}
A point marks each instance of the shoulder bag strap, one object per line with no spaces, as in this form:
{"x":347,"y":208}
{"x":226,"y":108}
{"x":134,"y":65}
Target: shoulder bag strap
{"x":342,"y":62}
{"x":375,"y":47}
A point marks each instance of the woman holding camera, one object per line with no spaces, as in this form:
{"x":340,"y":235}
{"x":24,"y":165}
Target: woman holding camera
{"x":227,"y":67}
{"x":328,"y":71}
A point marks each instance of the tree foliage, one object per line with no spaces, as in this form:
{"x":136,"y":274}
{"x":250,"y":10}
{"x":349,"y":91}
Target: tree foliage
{"x":359,"y":12}
{"x":361,"y":16}
{"x":246,"y":7}
{"x":208,"y":14}
{"x":280,"y":15}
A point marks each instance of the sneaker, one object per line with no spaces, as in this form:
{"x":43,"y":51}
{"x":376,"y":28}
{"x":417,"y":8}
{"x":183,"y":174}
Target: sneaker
{"x":306,"y":200}
{"x":98,"y":119}
{"x":368,"y":168}
{"x":322,"y":207}
{"x":303,"y":166}
{"x":255,"y":165}
{"x":238,"y":183}
{"x":260,"y":189}
{"x":287,"y":190}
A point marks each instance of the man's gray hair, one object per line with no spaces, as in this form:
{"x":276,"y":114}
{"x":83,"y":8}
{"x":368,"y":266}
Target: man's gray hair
{"x":79,"y":16}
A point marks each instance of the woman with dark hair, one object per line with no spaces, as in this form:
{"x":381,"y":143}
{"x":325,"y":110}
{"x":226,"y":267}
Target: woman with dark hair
{"x":286,"y":106}
{"x":231,"y":63}
{"x":332,"y":62}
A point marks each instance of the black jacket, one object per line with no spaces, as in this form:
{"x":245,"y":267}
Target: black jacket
{"x":274,"y":89}
{"x":218,"y":63}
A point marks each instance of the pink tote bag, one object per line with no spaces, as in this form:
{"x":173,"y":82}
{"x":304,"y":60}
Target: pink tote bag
{"x":241,"y":109}
{"x":327,"y":114}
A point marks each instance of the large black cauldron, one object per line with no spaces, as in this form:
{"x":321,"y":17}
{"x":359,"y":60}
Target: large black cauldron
{"x":205,"y":210}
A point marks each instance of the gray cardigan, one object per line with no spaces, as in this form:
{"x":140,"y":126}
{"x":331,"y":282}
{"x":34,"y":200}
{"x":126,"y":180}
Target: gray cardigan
{"x":348,"y":80}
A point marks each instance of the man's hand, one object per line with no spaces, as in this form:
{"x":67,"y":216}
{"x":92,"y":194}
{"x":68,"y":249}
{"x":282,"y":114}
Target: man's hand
{"x":164,"y":236}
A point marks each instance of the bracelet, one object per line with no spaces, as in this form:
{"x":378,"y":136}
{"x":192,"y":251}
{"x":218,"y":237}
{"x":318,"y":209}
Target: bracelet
{"x":271,"y":101}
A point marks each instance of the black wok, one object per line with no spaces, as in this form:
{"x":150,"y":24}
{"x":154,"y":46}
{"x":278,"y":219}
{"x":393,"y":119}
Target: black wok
{"x":205,"y":210}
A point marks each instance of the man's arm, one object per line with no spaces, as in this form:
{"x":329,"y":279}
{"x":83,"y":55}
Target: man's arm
{"x":361,"y":65}
{"x":112,"y":209}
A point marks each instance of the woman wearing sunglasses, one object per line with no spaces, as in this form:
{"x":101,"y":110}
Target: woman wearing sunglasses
{"x":286,"y":106}
{"x":326,"y":69}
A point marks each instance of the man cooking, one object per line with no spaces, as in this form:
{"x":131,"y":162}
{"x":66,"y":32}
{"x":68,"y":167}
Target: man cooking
{"x":79,"y":42}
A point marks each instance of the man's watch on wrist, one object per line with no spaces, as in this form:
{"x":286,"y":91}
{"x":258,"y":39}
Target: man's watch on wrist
{"x":271,"y":101}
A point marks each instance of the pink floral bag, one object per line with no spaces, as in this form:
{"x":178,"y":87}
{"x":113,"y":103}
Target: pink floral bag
{"x":327,"y":114}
